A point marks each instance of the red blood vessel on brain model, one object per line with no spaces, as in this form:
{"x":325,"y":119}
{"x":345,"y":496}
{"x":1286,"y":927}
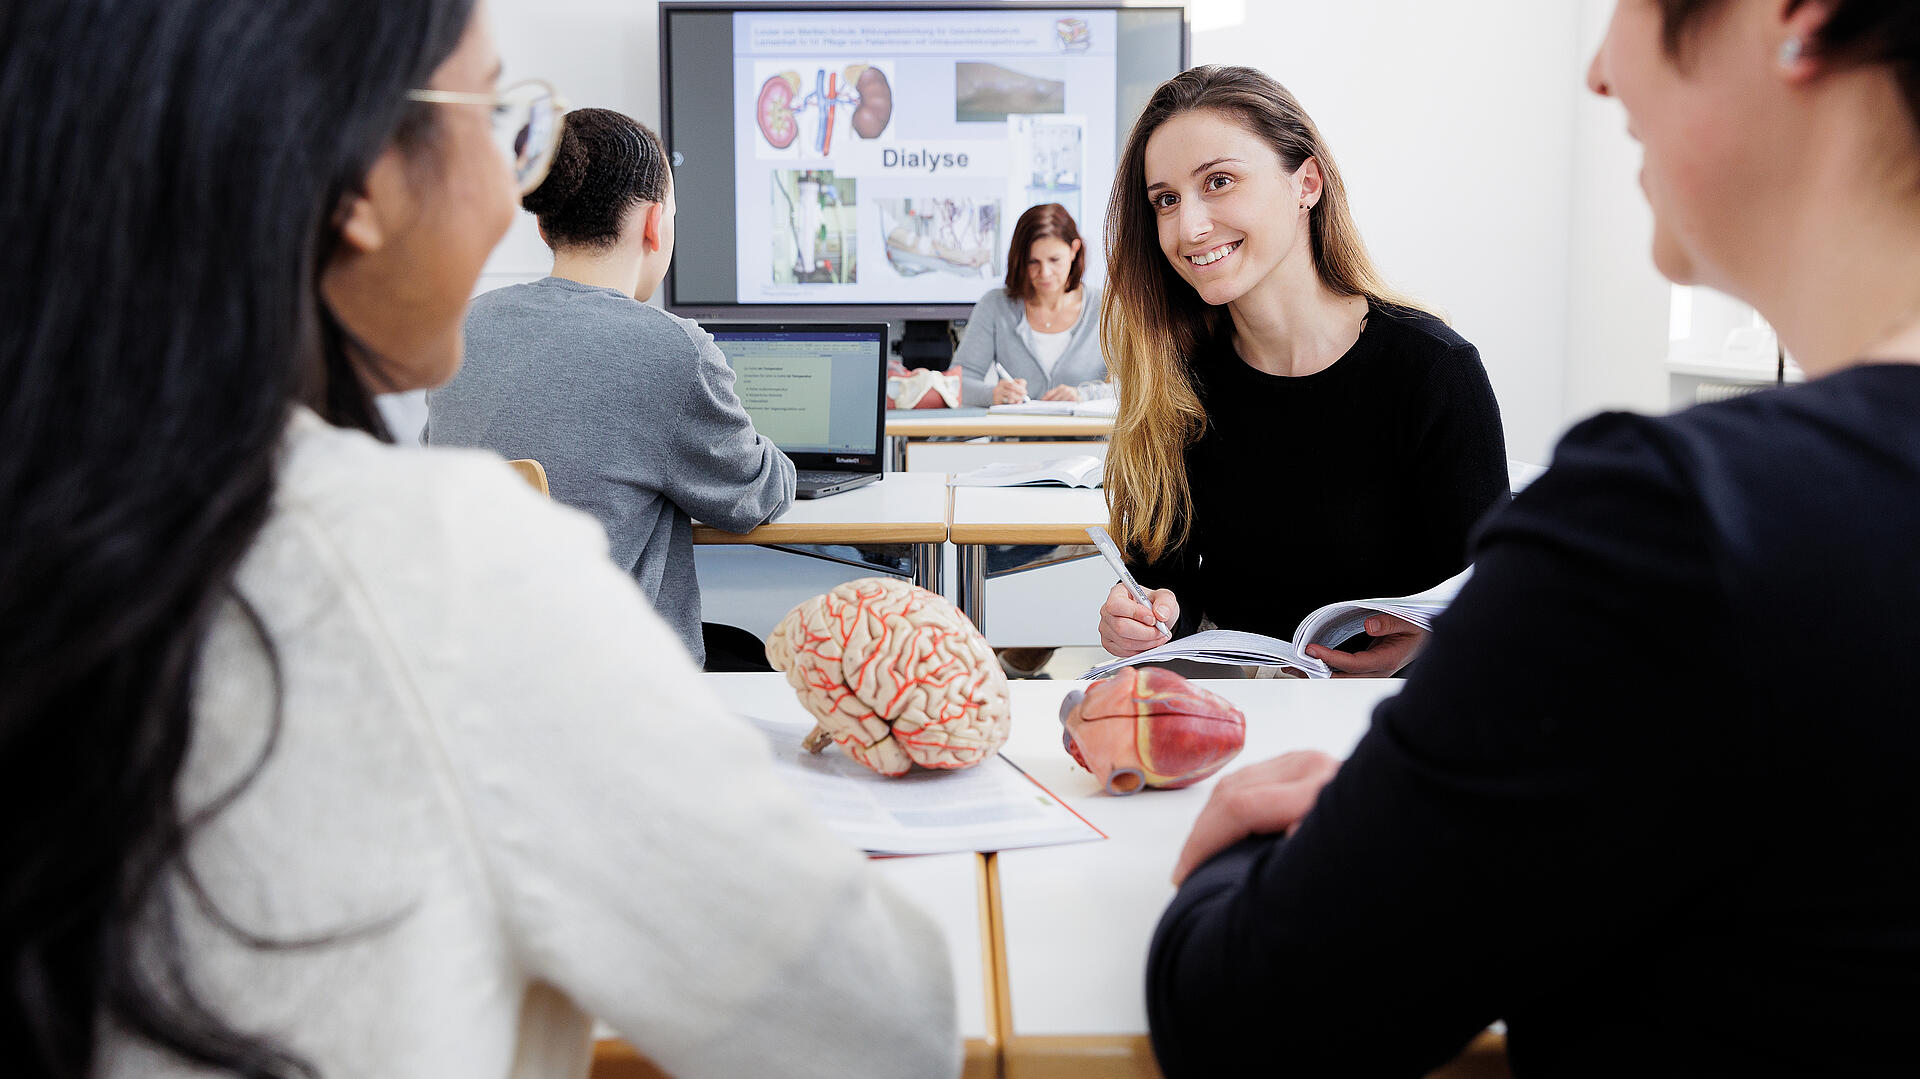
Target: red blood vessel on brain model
{"x":894,"y":675}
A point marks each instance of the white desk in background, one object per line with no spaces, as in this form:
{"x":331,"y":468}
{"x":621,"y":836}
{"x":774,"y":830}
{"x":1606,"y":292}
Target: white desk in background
{"x":1052,"y":600}
{"x":900,"y":508}
{"x":989,"y":516}
{"x":1077,"y":920}
{"x":752,"y":589}
{"x":925,"y":424}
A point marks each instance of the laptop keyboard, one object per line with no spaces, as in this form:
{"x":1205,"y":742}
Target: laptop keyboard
{"x":821,"y":477}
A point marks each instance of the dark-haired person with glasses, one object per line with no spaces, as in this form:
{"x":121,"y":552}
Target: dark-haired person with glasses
{"x":630,"y":410}
{"x":320,"y":758}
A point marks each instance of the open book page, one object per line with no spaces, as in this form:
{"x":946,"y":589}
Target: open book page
{"x":1034,"y":407}
{"x":1331,"y":626}
{"x":991,"y":806}
{"x":1081,"y":471}
{"x":1520,"y":474}
{"x":1338,"y":622}
{"x":1107,"y":406}
{"x":1229,"y":646}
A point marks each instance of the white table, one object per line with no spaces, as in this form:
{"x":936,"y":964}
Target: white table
{"x":924,"y":424}
{"x":986,"y":516}
{"x":949,"y":887}
{"x":1077,"y":920}
{"x":1056,"y":984}
{"x":903,"y":507}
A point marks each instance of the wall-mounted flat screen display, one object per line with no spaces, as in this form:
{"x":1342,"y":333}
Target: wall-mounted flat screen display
{"x":867,"y":157}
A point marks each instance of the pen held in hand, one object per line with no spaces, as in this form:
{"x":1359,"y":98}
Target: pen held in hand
{"x":1111,"y":552}
{"x":1001,"y":374}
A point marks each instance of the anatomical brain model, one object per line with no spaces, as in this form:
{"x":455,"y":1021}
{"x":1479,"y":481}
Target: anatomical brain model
{"x":1148,"y":727}
{"x":895,"y":675}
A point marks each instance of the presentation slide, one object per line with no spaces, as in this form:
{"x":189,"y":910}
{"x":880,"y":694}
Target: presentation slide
{"x":883,"y":157}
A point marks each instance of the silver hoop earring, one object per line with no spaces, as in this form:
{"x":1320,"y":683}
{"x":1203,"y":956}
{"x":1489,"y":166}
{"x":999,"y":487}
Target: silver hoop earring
{"x":1790,"y":51}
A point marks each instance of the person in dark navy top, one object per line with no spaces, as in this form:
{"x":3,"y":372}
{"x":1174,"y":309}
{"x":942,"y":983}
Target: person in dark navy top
{"x":1290,"y":434}
{"x":1650,"y":797}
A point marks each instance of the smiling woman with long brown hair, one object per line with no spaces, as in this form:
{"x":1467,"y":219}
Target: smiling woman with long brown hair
{"x":1291,"y":432}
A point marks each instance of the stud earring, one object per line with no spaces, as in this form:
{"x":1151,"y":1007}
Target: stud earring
{"x":1790,"y":51}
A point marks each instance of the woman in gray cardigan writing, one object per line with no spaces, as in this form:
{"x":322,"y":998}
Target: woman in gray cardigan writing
{"x":1040,"y":335}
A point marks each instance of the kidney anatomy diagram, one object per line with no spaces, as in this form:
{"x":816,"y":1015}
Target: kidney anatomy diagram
{"x":786,"y":105}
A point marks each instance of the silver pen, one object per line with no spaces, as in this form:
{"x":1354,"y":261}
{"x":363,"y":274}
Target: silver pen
{"x":1111,"y":551}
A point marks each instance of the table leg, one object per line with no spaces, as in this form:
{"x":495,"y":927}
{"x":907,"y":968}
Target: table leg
{"x":896,"y":453}
{"x":927,"y":566}
{"x":972,"y":570}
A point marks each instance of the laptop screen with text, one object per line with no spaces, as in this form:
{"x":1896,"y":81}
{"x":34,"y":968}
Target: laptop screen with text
{"x":813,"y":390}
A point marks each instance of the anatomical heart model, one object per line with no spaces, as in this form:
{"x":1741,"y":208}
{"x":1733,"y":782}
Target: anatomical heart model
{"x":1147,"y":727}
{"x":895,"y":675}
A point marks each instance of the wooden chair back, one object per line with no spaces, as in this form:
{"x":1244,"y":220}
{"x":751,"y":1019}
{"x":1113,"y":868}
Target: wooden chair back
{"x":531,"y":471}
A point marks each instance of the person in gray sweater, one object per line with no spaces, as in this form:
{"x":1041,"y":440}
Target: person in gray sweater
{"x":1043,"y":329}
{"x":630,"y":410}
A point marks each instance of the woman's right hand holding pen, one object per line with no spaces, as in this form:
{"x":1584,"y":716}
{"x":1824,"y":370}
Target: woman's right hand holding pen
{"x":1127,"y":628}
{"x":1009,"y":390}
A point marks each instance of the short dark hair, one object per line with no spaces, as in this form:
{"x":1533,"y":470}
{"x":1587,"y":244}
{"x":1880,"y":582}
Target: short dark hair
{"x":606,"y":164}
{"x":1040,"y":222}
{"x":1858,"y":32}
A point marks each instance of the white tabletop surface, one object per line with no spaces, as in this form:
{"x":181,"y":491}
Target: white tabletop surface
{"x":946,"y":886}
{"x":1078,"y":919}
{"x":908,"y":500}
{"x":986,"y":508}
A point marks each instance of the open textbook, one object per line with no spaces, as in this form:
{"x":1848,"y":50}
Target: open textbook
{"x":990,"y":806}
{"x":1108,"y":407}
{"x":1330,"y":626}
{"x":1081,"y":471}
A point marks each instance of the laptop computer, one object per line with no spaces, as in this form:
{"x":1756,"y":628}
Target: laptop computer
{"x":818,"y":391}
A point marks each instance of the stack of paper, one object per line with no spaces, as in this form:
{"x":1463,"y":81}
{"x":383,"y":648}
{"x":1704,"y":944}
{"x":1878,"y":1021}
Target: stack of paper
{"x":1107,"y":407}
{"x":1330,"y":626}
{"x":991,"y":806}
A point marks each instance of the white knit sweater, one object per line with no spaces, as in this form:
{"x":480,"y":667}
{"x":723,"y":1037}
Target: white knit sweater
{"x":499,"y":783}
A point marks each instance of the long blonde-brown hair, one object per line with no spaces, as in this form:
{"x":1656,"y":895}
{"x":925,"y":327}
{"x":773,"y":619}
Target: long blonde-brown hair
{"x":1152,"y":321}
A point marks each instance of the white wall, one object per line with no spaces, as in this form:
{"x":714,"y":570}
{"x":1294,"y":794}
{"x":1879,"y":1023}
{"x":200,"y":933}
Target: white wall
{"x":1616,"y":329}
{"x":1485,"y":178}
{"x":600,"y":53}
{"x":1450,"y":123}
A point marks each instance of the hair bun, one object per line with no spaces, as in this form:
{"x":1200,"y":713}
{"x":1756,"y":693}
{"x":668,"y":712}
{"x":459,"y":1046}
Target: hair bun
{"x":564,"y":177}
{"x":606,"y":164}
